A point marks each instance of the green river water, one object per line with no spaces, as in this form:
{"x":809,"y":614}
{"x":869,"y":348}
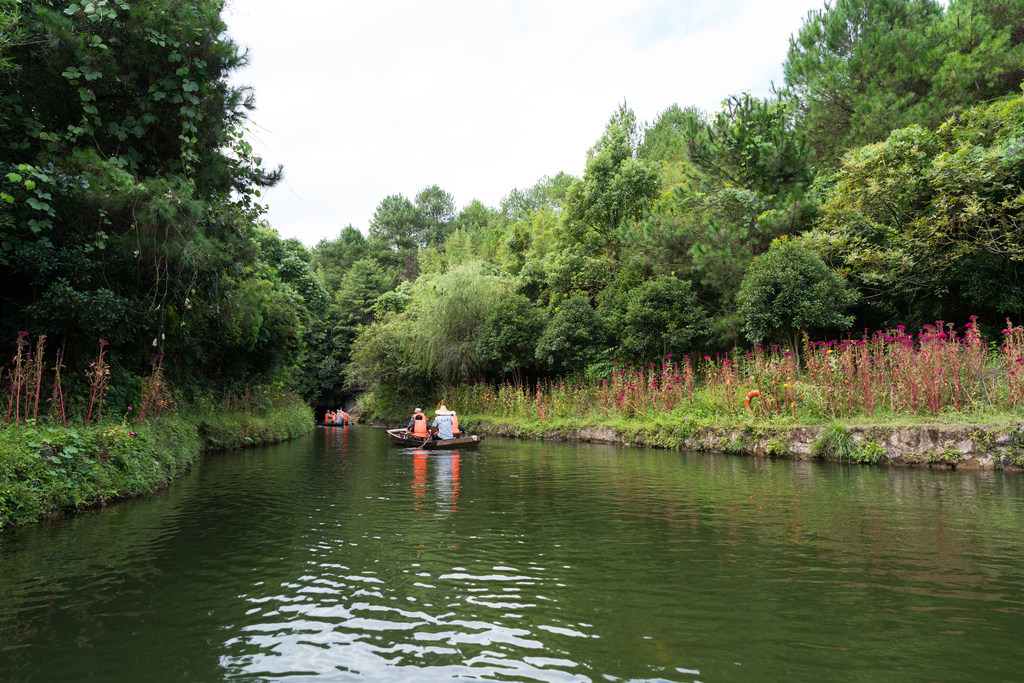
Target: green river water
{"x":338,"y":557}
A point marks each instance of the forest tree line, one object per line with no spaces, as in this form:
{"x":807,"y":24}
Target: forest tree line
{"x":130,"y":200}
{"x":879,"y":185}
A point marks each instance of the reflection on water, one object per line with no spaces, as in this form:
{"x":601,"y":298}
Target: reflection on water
{"x":339,"y":557}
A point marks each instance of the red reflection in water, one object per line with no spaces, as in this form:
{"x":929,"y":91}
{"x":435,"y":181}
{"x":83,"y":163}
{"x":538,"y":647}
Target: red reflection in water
{"x":332,"y":436}
{"x":446,"y":484}
{"x":419,"y":476}
{"x":455,"y":482}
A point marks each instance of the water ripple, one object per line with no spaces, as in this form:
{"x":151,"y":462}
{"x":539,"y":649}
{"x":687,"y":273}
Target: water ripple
{"x":338,"y":558}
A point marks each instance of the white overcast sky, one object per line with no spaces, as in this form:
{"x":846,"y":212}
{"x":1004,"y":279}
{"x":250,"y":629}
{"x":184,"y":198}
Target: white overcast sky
{"x":360,"y":100}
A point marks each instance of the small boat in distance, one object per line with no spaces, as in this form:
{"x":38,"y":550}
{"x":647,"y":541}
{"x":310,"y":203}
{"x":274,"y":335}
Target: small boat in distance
{"x":403,"y":437}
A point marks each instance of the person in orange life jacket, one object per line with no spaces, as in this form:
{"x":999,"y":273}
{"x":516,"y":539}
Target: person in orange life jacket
{"x":418,"y":424}
{"x":456,"y":429}
{"x":329,"y":416}
{"x":442,"y":424}
{"x":344,"y":415}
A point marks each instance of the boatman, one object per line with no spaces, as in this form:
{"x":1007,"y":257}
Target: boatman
{"x":442,"y":424}
{"x":418,"y":424}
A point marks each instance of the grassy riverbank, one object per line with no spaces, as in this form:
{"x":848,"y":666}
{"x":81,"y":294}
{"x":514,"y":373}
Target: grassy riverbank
{"x":938,"y":397}
{"x":46,"y":469}
{"x":995,"y":443}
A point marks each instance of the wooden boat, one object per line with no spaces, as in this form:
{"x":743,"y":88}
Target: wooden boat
{"x":402,"y":437}
{"x":342,"y":423}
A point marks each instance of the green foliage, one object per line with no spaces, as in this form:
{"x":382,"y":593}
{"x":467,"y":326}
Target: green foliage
{"x":290,"y":259}
{"x":615,"y":297}
{"x":869,"y":452}
{"x":406,"y":226}
{"x":983,"y":55}
{"x":9,"y":34}
{"x":735,"y":446}
{"x":662,"y":316}
{"x":508,"y":338}
{"x":129,"y":194}
{"x":573,"y":337}
{"x":331,"y":259}
{"x":859,"y":69}
{"x":616,"y":187}
{"x":385,"y":358}
{"x":751,"y":143}
{"x":398,"y":223}
{"x":449,"y":311}
{"x":791,"y":289}
{"x":740,"y":180}
{"x":433,"y":341}
{"x":935,"y":214}
{"x":437,"y":209}
{"x":835,"y":441}
{"x":777,"y":448}
{"x":46,"y":469}
{"x":665,"y":139}
{"x":547,"y":194}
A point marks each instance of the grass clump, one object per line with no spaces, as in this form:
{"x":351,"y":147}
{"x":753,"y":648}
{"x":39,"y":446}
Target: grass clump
{"x":835,"y":441}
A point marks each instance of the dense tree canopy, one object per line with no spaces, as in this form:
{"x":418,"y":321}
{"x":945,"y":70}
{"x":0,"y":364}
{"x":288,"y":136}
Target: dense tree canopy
{"x":129,"y":196}
{"x":789,"y":289}
{"x":859,"y":69}
{"x":881,"y":185}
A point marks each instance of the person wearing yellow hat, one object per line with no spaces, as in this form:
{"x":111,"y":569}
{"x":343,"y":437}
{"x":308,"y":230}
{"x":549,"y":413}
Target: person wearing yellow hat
{"x":442,"y":424}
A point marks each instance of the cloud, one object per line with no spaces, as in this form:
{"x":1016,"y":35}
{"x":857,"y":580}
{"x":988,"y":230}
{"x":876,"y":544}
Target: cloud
{"x":363,"y":100}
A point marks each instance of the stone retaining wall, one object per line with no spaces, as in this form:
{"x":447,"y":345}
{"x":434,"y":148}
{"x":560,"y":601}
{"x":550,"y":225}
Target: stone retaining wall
{"x":969,"y":446}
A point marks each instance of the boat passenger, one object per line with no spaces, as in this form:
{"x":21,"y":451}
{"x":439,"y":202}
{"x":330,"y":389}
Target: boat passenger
{"x":443,"y":424}
{"x":344,"y":415}
{"x":418,"y":424}
{"x":456,"y":429}
{"x":329,"y":417}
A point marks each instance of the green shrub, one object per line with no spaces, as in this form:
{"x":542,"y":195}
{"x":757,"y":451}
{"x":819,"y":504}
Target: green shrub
{"x":835,"y":441}
{"x":946,"y":457}
{"x":735,"y":446}
{"x":777,"y":448}
{"x":870,"y":452}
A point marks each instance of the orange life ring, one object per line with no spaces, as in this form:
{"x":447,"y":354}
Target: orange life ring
{"x":746,"y":402}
